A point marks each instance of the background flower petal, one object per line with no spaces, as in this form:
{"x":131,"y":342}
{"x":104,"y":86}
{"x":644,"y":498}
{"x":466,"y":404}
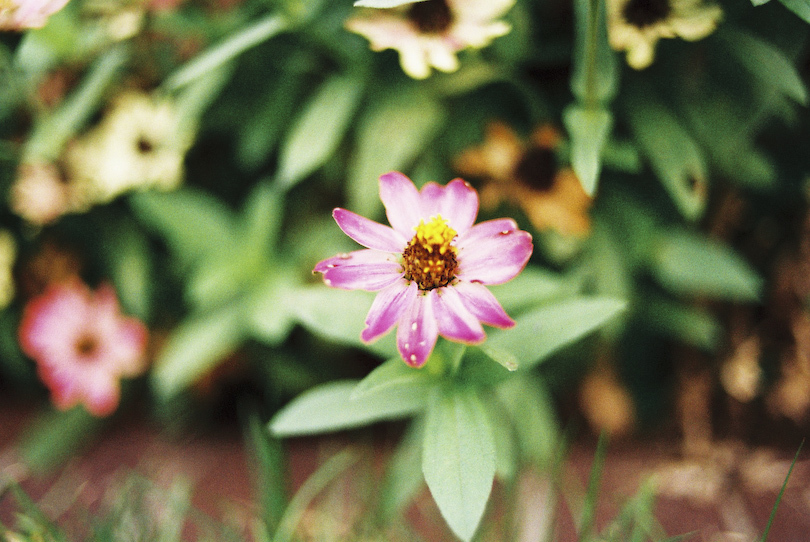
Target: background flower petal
{"x":401,"y":201}
{"x":369,"y":233}
{"x":387,"y":309}
{"x":455,"y":321}
{"x":417,"y":331}
{"x":482,"y":304}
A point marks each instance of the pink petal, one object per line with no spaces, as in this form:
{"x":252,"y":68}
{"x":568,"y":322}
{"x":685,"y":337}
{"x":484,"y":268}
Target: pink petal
{"x":368,"y":233}
{"x":457,"y":203}
{"x":486,"y":229}
{"x":102,"y":397}
{"x":387,"y":309}
{"x":492,"y":255}
{"x":454,"y":320}
{"x":367,"y":269}
{"x":417,"y":331}
{"x":401,"y":200}
{"x":481,"y":303}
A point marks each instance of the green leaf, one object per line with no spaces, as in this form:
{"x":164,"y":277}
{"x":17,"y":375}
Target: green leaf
{"x":528,"y":403}
{"x":541,"y":332}
{"x":52,"y":132}
{"x":195,"y":347}
{"x":799,"y":7}
{"x":339,"y":315}
{"x":674,"y":156}
{"x":55,"y":436}
{"x":781,"y":493}
{"x":268,"y":306}
{"x":390,"y":136}
{"x":330,"y":407}
{"x":320,"y":128}
{"x":594,"y":80}
{"x":534,"y":285}
{"x":691,"y":325}
{"x":458,"y":458}
{"x":384,"y":3}
{"x":403,"y":477}
{"x":394,"y":374}
{"x":192,"y":222}
{"x":129,"y":259}
{"x":765,"y":61}
{"x":759,"y":2}
{"x":589,"y":130}
{"x":268,"y":467}
{"x":225,"y":51}
{"x":687,"y":263}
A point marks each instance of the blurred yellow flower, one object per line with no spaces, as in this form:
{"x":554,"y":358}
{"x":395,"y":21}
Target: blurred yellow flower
{"x":8,"y":256}
{"x":429,"y":34}
{"x":40,"y":194}
{"x":527,"y":176}
{"x":139,"y":144}
{"x":22,"y":14}
{"x":636,"y":26}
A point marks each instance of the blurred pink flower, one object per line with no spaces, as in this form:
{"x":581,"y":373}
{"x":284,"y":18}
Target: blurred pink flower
{"x":82,"y":344}
{"x":431,"y":267}
{"x":22,"y":14}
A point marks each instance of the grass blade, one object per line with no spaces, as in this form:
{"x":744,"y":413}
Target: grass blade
{"x":779,"y":497}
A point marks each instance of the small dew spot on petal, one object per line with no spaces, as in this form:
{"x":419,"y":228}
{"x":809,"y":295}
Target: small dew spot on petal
{"x":344,"y":256}
{"x":413,"y":358}
{"x":414,"y":326}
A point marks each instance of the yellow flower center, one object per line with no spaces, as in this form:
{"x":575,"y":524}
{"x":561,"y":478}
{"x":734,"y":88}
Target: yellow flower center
{"x":430,"y":259}
{"x":431,"y":16}
{"x":7,"y":6}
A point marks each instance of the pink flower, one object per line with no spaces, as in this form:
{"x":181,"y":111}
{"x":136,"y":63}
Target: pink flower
{"x":431,"y":267}
{"x":82,"y":344}
{"x":22,"y":14}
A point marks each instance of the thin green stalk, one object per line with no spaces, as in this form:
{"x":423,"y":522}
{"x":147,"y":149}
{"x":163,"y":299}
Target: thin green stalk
{"x":590,"y":54}
{"x":779,"y":497}
{"x":316,"y":483}
{"x":225,"y":51}
{"x":592,"y":494}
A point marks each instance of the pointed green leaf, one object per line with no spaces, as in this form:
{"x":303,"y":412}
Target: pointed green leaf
{"x":799,"y":7}
{"x":687,"y":263}
{"x":533,"y":418}
{"x":225,"y":51}
{"x":129,"y":262}
{"x":390,"y":135}
{"x":589,"y":130}
{"x":458,"y":458}
{"x":543,"y":331}
{"x":692,"y":325}
{"x":267,"y":468}
{"x":403,"y":477}
{"x":320,"y":128}
{"x":192,"y":222}
{"x":268,"y":306}
{"x":534,"y":285}
{"x":393,"y":374}
{"x":53,"y":131}
{"x":765,"y":61}
{"x":674,"y":156}
{"x":195,"y":347}
{"x":330,"y":407}
{"x":383,"y":3}
{"x":55,"y":436}
{"x":339,"y":315}
{"x":595,"y":78}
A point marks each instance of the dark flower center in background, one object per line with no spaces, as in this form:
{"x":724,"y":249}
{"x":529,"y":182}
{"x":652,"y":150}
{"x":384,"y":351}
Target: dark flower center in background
{"x":537,"y":168}
{"x":644,"y":13}
{"x":144,"y":146}
{"x":431,"y":16}
{"x":429,"y":259}
{"x":87,"y":345}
